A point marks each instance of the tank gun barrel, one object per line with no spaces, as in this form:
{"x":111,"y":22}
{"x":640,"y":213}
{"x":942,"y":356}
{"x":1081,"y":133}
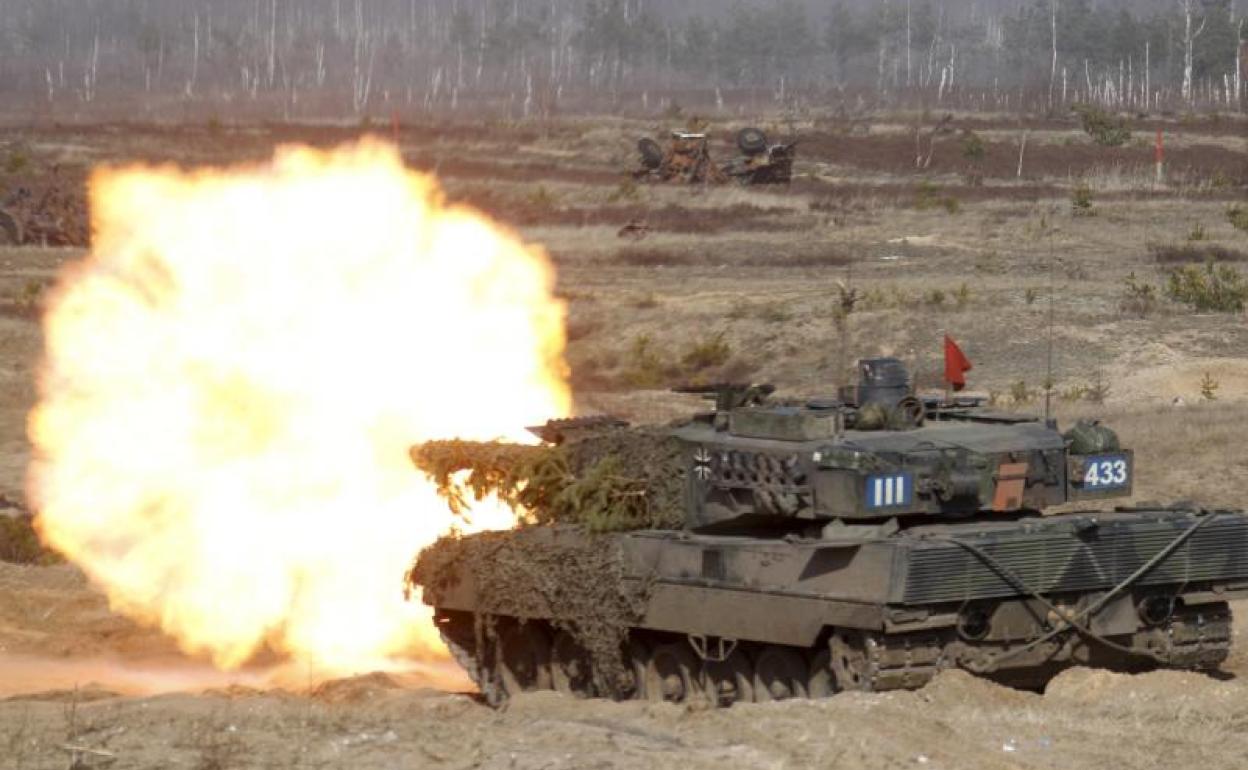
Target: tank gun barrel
{"x":730,"y":395}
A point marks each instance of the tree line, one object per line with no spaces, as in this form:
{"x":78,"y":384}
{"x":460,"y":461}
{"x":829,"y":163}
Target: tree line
{"x":320,"y":58}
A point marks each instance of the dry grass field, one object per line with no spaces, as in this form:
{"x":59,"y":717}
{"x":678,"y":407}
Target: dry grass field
{"x":728,"y":283}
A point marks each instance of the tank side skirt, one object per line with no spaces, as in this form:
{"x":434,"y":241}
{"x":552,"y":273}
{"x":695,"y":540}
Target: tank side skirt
{"x":748,"y":614}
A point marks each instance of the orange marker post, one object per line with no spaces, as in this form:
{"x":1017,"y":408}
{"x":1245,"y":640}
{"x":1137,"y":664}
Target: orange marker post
{"x":1160,"y":157}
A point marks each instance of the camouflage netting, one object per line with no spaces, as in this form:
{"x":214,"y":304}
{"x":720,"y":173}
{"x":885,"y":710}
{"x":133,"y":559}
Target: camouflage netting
{"x":610,"y":482}
{"x":547,"y":572}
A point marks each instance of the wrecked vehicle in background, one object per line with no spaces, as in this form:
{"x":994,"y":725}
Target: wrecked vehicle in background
{"x":762,"y":162}
{"x":688,"y":160}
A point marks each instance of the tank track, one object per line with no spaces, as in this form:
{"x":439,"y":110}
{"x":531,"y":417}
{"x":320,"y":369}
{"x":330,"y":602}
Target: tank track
{"x":1193,"y":639}
{"x":489,"y":688}
{"x":463,"y":657}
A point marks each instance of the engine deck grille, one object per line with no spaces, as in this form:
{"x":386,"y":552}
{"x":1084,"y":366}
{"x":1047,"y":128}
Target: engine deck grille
{"x":1063,"y":560}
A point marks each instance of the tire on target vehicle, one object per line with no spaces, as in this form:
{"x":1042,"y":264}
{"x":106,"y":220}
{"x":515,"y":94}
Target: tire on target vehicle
{"x":651,"y":153}
{"x":752,"y":141}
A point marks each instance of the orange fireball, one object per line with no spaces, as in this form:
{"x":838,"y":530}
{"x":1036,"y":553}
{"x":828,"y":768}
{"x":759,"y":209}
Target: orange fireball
{"x":232,"y":379}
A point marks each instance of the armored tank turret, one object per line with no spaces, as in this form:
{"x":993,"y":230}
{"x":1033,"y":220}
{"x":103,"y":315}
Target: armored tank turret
{"x":879,"y":452}
{"x":768,"y":548}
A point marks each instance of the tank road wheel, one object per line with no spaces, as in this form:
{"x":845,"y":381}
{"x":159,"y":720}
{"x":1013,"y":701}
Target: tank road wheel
{"x":731,"y":680}
{"x":637,"y":657}
{"x":779,"y":674}
{"x":524,"y":659}
{"x":672,"y":673}
{"x":570,"y":668}
{"x":822,"y":682}
{"x":850,"y":664}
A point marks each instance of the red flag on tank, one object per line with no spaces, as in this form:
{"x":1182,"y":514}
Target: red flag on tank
{"x":956,"y":364}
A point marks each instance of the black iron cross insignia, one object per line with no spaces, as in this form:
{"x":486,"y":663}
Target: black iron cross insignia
{"x":702,"y":464}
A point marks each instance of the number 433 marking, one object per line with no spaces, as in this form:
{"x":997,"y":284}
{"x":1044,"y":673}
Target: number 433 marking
{"x":1105,"y":472}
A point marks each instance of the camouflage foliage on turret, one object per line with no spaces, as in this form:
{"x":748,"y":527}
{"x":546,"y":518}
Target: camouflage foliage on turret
{"x":614,"y":481}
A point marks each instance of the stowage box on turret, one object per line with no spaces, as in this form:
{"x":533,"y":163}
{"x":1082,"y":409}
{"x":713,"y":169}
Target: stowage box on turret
{"x":773,"y":549}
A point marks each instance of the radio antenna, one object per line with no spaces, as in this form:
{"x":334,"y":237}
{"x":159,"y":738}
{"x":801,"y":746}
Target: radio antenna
{"x":1048,"y":377}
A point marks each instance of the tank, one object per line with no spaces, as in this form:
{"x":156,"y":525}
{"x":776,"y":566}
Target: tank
{"x":767,"y":549}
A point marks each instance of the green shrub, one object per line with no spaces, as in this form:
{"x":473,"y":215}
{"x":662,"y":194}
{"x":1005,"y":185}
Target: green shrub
{"x":1081,"y":200}
{"x":1139,"y":298}
{"x":645,"y":366}
{"x":706,"y":353}
{"x":973,"y":148}
{"x":26,"y":302}
{"x":1209,"y":387}
{"x":1098,"y":389}
{"x":1094,"y":391}
{"x":20,"y":545}
{"x":17,"y":161}
{"x":928,"y":196}
{"x":1197,"y":233}
{"x":873,"y":299}
{"x":1238,"y":217}
{"x":1105,"y":129}
{"x":1073,"y":393}
{"x":1216,"y":288}
{"x":962,"y":296}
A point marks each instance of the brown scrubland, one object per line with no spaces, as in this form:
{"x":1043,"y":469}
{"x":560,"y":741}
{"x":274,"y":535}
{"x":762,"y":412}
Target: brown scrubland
{"x":1078,"y":249}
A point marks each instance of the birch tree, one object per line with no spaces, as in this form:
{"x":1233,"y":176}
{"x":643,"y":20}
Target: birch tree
{"x":1189,"y":40}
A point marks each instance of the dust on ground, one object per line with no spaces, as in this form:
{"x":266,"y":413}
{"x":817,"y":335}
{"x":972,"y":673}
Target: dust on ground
{"x":1087,"y":719}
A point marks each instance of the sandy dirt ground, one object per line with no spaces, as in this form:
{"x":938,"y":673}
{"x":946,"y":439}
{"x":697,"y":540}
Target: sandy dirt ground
{"x":83,"y":687}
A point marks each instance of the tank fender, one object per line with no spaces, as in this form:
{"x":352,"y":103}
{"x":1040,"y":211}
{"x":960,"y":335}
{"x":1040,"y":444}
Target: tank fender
{"x":753,"y":615}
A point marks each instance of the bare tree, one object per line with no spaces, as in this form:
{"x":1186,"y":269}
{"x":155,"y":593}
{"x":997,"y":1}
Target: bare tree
{"x":1053,"y":34}
{"x":272,"y":41}
{"x":908,"y":47}
{"x":91,"y":71}
{"x":365,"y":55}
{"x":1241,"y":64}
{"x":1189,"y":38}
{"x":190,"y":83}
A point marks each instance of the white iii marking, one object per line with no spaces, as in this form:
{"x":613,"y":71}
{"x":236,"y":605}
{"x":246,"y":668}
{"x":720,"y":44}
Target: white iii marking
{"x":888,"y":491}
